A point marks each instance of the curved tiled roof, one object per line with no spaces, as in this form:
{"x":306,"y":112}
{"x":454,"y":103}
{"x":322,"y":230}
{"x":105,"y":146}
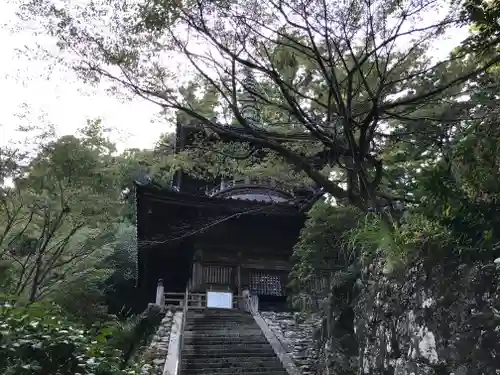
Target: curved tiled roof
{"x":261,"y":190}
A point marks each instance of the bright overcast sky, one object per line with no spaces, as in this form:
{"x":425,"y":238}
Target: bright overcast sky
{"x":29,"y":98}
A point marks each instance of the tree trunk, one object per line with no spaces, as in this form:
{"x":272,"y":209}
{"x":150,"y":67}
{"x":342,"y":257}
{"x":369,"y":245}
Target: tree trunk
{"x":34,"y":285}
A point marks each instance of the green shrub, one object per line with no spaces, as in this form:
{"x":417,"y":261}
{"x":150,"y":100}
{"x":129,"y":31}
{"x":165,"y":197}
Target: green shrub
{"x":36,"y":339}
{"x":401,"y":243}
{"x":322,"y":241}
{"x":323,"y":263}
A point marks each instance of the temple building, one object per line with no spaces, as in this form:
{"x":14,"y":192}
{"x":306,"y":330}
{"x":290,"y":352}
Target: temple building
{"x":232,"y":236}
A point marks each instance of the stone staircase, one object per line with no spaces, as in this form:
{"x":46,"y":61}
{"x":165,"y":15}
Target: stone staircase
{"x":225,"y":342}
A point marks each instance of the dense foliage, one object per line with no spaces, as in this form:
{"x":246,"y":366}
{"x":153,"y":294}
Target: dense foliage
{"x":67,"y":237}
{"x":357,"y":80}
{"x":38,"y":340}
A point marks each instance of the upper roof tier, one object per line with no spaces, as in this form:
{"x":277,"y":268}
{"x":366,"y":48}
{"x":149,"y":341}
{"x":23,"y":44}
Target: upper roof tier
{"x":254,"y":189}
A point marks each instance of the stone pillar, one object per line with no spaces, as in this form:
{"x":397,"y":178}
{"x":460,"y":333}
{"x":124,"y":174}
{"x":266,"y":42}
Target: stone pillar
{"x":244,"y":300}
{"x":160,"y":294}
{"x":254,"y":302}
{"x":251,"y":301}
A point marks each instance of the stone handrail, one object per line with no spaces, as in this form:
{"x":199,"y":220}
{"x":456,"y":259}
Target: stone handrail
{"x":185,"y":308}
{"x":250,"y":303}
{"x":160,"y":295}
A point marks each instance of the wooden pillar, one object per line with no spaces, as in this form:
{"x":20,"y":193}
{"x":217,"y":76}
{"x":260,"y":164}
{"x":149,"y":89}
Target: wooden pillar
{"x":238,"y":273}
{"x":238,"y":278}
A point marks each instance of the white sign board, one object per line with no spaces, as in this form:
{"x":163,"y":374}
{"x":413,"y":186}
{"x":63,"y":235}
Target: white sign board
{"x":221,"y":300}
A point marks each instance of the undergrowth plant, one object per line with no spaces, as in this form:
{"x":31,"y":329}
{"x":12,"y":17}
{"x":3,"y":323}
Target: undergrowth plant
{"x":399,"y":243}
{"x":37,"y":339}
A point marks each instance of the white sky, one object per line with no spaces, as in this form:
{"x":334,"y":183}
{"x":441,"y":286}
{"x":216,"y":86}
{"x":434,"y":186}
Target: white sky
{"x":29,"y":98}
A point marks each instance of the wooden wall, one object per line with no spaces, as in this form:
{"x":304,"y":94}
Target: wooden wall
{"x":263,"y":280}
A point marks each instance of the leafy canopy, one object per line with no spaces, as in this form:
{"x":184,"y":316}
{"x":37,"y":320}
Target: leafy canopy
{"x":353,"y":77}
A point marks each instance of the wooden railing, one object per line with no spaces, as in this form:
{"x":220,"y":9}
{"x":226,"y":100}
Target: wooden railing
{"x":195,"y":300}
{"x":189,"y":300}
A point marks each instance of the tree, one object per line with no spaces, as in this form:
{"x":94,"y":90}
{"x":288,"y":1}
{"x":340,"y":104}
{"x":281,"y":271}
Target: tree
{"x":340,"y":74}
{"x":56,"y":216}
{"x":461,"y":190}
{"x":484,"y":15}
{"x":120,"y":290}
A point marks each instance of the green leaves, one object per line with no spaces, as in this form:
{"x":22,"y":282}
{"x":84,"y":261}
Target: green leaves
{"x":484,"y":16}
{"x":345,"y":74}
{"x":37,"y":340}
{"x":323,"y":243}
{"x":56,"y":218}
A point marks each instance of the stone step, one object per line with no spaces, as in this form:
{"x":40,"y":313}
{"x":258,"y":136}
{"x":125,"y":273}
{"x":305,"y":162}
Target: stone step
{"x":195,"y":354}
{"x":224,"y":361}
{"x":222,"y":342}
{"x":229,"y":334}
{"x":225,"y":329}
{"x":245,"y":317}
{"x":227,"y":349}
{"x":204,"y":336}
{"x":226,"y":352}
{"x":225,"y":345}
{"x":198,"y":341}
{"x":269,"y":365}
{"x":236,"y":325}
{"x":205,"y":355}
{"x":231,"y":372}
{"x":241,"y":344}
{"x":211,"y":310}
{"x":211,"y":313}
{"x":231,"y":338}
{"x":220,"y":322}
{"x":237,"y":344}
{"x":221,"y":317}
{"x":224,"y":326}
{"x":240,"y":326}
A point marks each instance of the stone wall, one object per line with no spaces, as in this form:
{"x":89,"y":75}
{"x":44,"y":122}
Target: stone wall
{"x":436,"y":319}
{"x":440,"y":319}
{"x":296,"y":335}
{"x":155,"y":355}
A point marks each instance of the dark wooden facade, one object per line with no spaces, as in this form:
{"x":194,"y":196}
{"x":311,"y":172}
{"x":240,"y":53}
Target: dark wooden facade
{"x":214,"y":243}
{"x":227,"y":236}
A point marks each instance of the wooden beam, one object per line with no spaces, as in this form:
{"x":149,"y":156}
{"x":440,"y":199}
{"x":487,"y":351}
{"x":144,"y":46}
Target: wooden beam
{"x":257,"y":264}
{"x":238,"y":279}
{"x":221,"y":205}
